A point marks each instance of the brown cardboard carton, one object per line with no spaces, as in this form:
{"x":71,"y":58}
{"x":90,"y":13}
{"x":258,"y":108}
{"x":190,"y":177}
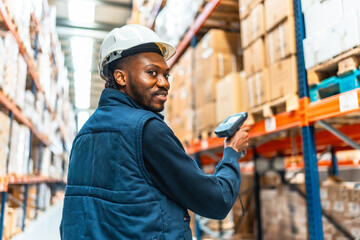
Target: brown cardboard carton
{"x":253,"y":26}
{"x":276,"y":11}
{"x":217,"y":40}
{"x":258,"y":87}
{"x":283,"y":78}
{"x":280,"y":42}
{"x":219,"y":64}
{"x":231,"y":96}
{"x":254,"y":57}
{"x":205,"y":117}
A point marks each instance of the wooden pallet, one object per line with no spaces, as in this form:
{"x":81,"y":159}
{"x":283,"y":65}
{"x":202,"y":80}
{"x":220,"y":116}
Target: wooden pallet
{"x":339,"y":65}
{"x":286,"y":103}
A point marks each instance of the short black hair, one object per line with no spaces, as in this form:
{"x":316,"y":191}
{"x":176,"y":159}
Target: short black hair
{"x":118,"y":64}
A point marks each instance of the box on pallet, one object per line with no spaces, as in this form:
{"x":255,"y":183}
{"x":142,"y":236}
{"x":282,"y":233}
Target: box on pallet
{"x":253,"y":25}
{"x":280,"y":42}
{"x":321,"y":14}
{"x":4,"y":141}
{"x":254,"y":57}
{"x":332,"y":40}
{"x":217,"y":40}
{"x":231,"y":96}
{"x":276,"y":11}
{"x":205,"y":117}
{"x":283,"y":78}
{"x":258,"y":88}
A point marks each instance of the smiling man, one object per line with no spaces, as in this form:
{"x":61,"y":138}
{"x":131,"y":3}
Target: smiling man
{"x":129,"y":176}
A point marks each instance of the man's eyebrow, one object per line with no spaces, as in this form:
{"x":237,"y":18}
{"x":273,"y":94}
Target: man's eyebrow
{"x":154,"y":65}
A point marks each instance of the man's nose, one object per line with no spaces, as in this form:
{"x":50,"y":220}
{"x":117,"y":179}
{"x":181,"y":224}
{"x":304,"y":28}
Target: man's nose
{"x":163,"y":82}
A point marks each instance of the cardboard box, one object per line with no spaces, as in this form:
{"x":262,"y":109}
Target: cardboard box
{"x":333,"y":40}
{"x":283,"y":78}
{"x":254,"y":57}
{"x":217,"y":40}
{"x":231,"y":96}
{"x":258,"y":87}
{"x":322,"y":14}
{"x":350,"y":6}
{"x":253,"y":26}
{"x":280,"y":42}
{"x":276,"y":11}
{"x":205,"y":117}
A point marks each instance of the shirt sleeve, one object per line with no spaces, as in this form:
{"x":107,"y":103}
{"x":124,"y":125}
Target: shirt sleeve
{"x":178,"y":176}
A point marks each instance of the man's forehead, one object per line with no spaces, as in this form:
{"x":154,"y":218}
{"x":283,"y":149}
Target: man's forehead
{"x":152,"y":59}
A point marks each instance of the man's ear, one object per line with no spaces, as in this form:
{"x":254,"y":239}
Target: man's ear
{"x":120,"y":77}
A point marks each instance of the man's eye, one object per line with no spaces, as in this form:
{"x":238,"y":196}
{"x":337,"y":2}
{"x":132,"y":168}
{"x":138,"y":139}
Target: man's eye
{"x":152,"y":73}
{"x":167,"y":76}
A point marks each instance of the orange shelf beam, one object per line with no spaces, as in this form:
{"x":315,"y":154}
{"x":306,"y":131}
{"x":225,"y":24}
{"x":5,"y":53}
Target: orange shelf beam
{"x":330,"y":107}
{"x":193,"y":30}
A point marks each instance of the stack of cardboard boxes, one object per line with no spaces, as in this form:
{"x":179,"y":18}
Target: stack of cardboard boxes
{"x":206,"y":85}
{"x":341,"y":200}
{"x":179,"y":108}
{"x":216,"y":55}
{"x":268,"y":39}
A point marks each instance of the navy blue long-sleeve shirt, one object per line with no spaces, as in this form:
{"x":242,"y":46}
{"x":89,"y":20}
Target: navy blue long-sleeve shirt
{"x":177,"y":175}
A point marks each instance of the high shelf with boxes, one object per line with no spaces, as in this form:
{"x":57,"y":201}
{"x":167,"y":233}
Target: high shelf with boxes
{"x":283,"y":118}
{"x":37,"y":120}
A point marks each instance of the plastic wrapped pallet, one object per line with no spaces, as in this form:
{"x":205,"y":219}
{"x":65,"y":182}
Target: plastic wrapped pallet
{"x":19,"y":150}
{"x":3,"y":59}
{"x":21,"y":82}
{"x":175,"y":18}
{"x":12,"y":51}
{"x":4,"y":141}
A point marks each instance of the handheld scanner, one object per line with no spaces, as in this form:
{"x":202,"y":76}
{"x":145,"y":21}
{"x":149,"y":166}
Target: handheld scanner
{"x":230,"y":125}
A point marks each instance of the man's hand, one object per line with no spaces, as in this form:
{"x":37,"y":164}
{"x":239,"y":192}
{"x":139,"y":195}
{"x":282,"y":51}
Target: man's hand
{"x":239,"y":141}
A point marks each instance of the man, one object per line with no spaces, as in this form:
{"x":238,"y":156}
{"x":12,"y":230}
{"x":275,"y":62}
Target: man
{"x":129,"y":176}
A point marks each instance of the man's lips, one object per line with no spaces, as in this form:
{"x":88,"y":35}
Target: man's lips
{"x":161,"y":95}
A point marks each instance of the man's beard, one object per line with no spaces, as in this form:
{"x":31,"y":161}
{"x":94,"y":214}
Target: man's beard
{"x":141,"y":100}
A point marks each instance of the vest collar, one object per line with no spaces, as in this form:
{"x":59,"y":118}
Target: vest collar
{"x":113,"y":97}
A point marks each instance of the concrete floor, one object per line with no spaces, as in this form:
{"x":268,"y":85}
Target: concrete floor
{"x":45,"y":227}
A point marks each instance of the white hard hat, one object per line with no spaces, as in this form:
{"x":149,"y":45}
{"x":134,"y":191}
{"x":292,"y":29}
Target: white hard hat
{"x":129,"y":37}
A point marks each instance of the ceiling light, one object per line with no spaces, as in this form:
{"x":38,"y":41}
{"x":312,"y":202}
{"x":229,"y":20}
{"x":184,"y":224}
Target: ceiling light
{"x":81,"y":11}
{"x":82,"y":82}
{"x":82,"y":51}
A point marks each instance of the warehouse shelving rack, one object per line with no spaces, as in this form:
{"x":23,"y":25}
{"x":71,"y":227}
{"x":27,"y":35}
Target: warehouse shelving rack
{"x":15,"y":112}
{"x":304,"y":118}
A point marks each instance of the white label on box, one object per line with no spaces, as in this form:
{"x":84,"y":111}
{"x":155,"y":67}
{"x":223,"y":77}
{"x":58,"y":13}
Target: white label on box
{"x":355,"y":232}
{"x":348,"y":101}
{"x":339,"y":206}
{"x":354,"y":208}
{"x":325,"y":205}
{"x":204,"y":144}
{"x":270,"y":124}
{"x":323,"y":193}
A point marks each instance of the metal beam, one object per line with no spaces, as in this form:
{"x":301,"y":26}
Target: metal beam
{"x":106,"y":3}
{"x":339,"y":134}
{"x":63,"y":22}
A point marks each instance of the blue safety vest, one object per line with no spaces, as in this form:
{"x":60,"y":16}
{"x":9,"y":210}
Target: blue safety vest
{"x":109,"y":194}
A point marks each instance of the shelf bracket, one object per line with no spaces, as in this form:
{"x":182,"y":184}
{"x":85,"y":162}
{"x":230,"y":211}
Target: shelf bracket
{"x":339,"y":134}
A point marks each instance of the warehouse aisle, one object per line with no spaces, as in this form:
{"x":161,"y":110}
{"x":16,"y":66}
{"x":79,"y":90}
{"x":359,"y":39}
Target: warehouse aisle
{"x":45,"y":227}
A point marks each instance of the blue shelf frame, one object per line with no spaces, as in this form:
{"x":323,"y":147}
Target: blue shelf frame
{"x":308,"y":137}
